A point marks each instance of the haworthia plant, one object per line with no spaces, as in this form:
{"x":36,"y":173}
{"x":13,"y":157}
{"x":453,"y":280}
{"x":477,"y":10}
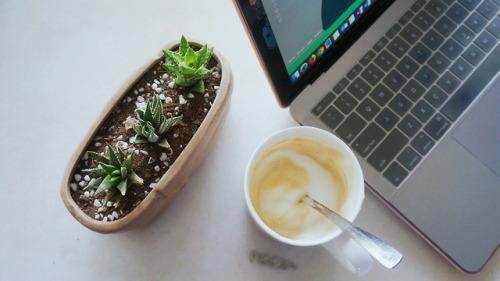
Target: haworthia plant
{"x":189,"y":66}
{"x":114,"y":173}
{"x":152,"y":124}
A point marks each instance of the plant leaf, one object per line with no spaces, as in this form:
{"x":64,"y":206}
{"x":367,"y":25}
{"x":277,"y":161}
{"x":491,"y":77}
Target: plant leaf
{"x":198,"y":87}
{"x":184,"y":46}
{"x":174,"y":57}
{"x":122,"y":187}
{"x":113,"y":159}
{"x":99,"y":157}
{"x":108,"y":168}
{"x":97,"y":171}
{"x":105,"y":185}
{"x":190,"y":59}
{"x":134,"y":178}
{"x":94,"y":183}
{"x":164,"y":143}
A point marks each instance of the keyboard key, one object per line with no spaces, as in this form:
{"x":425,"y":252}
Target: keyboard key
{"x":432,"y":40}
{"x":457,"y":13}
{"x":387,"y":150}
{"x":474,"y":55}
{"x":372,"y":74}
{"x":494,"y":27}
{"x":435,"y":8}
{"x":359,"y":88}
{"x":341,"y":86}
{"x":381,"y":95}
{"x":367,"y":58}
{"x":385,"y":60}
{"x":423,"y":111}
{"x":422,"y":143}
{"x":387,"y":119}
{"x":354,"y":72}
{"x":407,"y":66}
{"x":368,"y":109}
{"x":418,"y":5}
{"x":476,"y":22}
{"x":420,"y":53}
{"x":452,"y":49}
{"x":393,"y":31}
{"x":332,"y":117}
{"x":464,"y":35}
{"x":368,"y":139}
{"x":411,"y":33}
{"x":395,"y":174}
{"x":409,"y":158}
{"x":435,"y":96}
{"x":400,"y":104}
{"x":351,"y":127}
{"x":381,"y":43}
{"x":445,"y":26}
{"x":426,"y":76}
{"x":324,"y":103}
{"x":437,"y":126}
{"x":461,"y":68}
{"x":466,"y":94}
{"x":439,"y":62}
{"x":469,"y":4}
{"x":345,"y":102}
{"x":405,"y":18}
{"x":394,"y":80}
{"x":409,"y":125}
{"x":448,"y":82}
{"x":413,"y":90}
{"x":398,"y":47}
{"x":423,"y":20}
{"x":485,"y":41}
{"x":488,"y":9}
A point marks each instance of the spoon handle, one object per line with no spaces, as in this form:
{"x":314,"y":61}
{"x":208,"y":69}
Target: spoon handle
{"x":378,"y":249}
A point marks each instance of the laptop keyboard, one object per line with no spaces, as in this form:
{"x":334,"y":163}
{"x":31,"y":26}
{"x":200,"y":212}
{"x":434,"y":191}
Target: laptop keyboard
{"x":406,"y":92}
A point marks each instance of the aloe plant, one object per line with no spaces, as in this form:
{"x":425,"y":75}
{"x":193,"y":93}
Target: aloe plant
{"x":115,"y":174}
{"x":189,"y":66}
{"x":152,"y":124}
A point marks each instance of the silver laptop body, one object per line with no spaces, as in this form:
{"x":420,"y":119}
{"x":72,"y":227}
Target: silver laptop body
{"x":444,"y":179}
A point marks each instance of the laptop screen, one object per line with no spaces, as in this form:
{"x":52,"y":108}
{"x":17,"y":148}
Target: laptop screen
{"x":297,"y":40}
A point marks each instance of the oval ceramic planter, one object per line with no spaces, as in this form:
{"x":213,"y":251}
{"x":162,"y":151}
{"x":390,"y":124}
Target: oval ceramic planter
{"x":178,"y":173}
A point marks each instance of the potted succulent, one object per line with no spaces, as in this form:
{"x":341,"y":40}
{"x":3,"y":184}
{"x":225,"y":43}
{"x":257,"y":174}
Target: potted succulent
{"x":151,"y":136}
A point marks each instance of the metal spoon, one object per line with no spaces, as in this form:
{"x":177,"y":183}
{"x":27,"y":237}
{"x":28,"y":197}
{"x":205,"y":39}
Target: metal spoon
{"x":381,"y":251}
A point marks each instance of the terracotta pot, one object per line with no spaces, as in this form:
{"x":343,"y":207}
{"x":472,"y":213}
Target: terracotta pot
{"x":177,"y":175}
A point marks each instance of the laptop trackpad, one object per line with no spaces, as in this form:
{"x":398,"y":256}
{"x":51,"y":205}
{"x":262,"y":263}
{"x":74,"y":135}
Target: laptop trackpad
{"x":453,"y":200}
{"x":480,"y":132}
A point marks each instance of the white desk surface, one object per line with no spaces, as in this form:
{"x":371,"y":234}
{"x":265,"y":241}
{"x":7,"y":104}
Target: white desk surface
{"x":60,"y":61}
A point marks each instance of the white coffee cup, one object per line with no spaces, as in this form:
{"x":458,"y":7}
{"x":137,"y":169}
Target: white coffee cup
{"x":301,"y":161}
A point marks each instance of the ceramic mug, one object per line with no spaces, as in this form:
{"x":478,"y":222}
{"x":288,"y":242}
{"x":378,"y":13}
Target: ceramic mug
{"x":301,"y":161}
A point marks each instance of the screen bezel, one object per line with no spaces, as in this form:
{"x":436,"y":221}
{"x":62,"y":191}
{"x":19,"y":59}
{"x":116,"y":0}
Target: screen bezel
{"x":272,"y":62}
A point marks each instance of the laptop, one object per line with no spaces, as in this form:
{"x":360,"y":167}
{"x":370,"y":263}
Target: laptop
{"x":413,"y":87}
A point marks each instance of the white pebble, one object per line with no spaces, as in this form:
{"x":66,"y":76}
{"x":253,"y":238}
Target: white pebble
{"x":97,"y":216}
{"x":129,"y":99}
{"x":140,"y":99}
{"x":73,"y":186}
{"x":109,"y":204}
{"x":141,"y":90}
{"x":87,"y":178}
{"x":98,"y":144}
{"x":105,"y":219}
{"x":206,"y":95}
{"x":163,"y":157}
{"x":110,"y":217}
{"x":171,"y":84}
{"x":86,"y":194}
{"x":157,"y":168}
{"x":151,"y":160}
{"x":165,"y":76}
{"x":216,"y":87}
{"x":162,"y":97}
{"x":131,"y":139}
{"x":168,"y":100}
{"x":182,"y":100}
{"x":190,"y":96}
{"x":78,"y":177}
{"x":144,"y":152}
{"x":115,"y":214}
{"x":158,"y":90}
{"x":97,"y":203}
{"x":152,"y":185}
{"x":155,"y":86}
{"x":156,"y":81}
{"x":92,"y":193}
{"x":205,"y":110}
{"x":82,"y":183}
